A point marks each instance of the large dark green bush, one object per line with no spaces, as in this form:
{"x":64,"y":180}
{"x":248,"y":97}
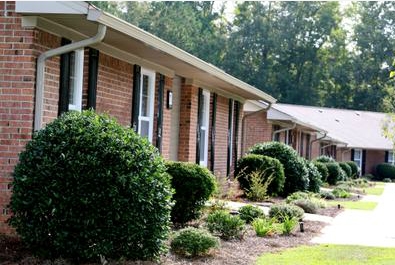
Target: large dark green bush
{"x":193,"y":185}
{"x":296,"y":174}
{"x":192,"y":242}
{"x":335,"y":173}
{"x":325,"y":159}
{"x":354,"y":169}
{"x":266,"y":166}
{"x":321,"y":167}
{"x":314,"y":176}
{"x":384,"y":171}
{"x":346,"y":168}
{"x":86,"y":186}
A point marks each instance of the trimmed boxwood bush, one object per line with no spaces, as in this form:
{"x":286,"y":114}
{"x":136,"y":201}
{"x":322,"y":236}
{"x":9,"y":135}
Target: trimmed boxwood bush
{"x":86,"y":186}
{"x":226,"y":226}
{"x":346,"y":168}
{"x":325,"y":159}
{"x":335,"y":173}
{"x":285,"y":211}
{"x":296,"y":174}
{"x":192,"y":242}
{"x":384,"y":171}
{"x":354,"y":169}
{"x":321,"y":167}
{"x":193,"y":185}
{"x":250,"y":212}
{"x":267,"y":166}
{"x":314,"y":177}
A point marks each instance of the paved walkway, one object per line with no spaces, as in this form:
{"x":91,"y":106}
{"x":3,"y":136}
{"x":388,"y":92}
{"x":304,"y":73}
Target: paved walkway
{"x":365,"y":228}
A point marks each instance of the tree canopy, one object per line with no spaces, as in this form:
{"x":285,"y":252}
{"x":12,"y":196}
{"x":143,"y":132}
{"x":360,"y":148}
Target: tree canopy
{"x":311,"y":53}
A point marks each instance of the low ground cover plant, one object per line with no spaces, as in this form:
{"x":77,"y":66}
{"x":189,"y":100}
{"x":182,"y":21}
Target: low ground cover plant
{"x":307,"y":205}
{"x":250,"y":212}
{"x":85,"y":187}
{"x":193,"y":242}
{"x":283,"y":211}
{"x":225,"y":225}
{"x":193,"y":185}
{"x":327,"y":195}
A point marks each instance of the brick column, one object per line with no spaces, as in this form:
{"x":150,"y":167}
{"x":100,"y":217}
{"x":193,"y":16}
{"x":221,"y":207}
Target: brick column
{"x":188,"y":123}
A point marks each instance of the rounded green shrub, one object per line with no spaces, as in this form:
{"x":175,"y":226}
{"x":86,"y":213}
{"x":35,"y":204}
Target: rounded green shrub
{"x":193,"y":242}
{"x":307,"y":205}
{"x":354,"y":169}
{"x":193,"y":185}
{"x":335,"y":173}
{"x":250,"y":212}
{"x":296,"y":174}
{"x":384,"y":171}
{"x":314,"y":177}
{"x":325,"y":159}
{"x":86,"y":186}
{"x":346,"y":168}
{"x":327,"y":195}
{"x":226,"y":226}
{"x":285,"y":211}
{"x":266,"y":166}
{"x":297,"y":196}
{"x":321,"y":167}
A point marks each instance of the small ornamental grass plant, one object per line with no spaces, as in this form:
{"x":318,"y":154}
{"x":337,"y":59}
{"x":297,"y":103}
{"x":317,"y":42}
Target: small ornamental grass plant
{"x":257,"y":190}
{"x":249,"y":212}
{"x":192,"y":242}
{"x":264,"y":227}
{"x":225,"y":225}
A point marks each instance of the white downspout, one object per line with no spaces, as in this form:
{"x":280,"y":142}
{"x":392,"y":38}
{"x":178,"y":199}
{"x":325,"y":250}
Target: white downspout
{"x":311,"y":144}
{"x":101,"y":32}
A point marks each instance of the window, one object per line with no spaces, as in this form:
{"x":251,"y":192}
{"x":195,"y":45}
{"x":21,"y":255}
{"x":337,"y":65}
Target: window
{"x":76,"y":79}
{"x":204,"y":128}
{"x":358,"y":158}
{"x":391,"y":159}
{"x":147,"y":93}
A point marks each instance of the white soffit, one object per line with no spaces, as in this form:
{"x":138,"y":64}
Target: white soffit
{"x":52,"y":7}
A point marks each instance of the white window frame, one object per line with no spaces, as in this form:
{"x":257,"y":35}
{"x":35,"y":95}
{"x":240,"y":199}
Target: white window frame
{"x":205,"y":127}
{"x":151,"y":101}
{"x":77,"y":81}
{"x":391,"y":158}
{"x":358,"y":161}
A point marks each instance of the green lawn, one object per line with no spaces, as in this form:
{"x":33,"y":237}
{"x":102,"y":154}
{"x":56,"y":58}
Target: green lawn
{"x":330,"y":255}
{"x":355,"y":205}
{"x":377,"y":190}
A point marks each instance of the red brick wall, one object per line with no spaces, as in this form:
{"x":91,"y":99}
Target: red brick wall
{"x":188,"y":123}
{"x":315,"y":147}
{"x":114,"y":88}
{"x":166,"y":130}
{"x":257,"y":129}
{"x":373,"y":158}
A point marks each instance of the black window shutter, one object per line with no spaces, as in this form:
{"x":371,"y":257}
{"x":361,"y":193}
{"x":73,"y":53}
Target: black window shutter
{"x":92,"y":77}
{"x":159,"y":126}
{"x":386,"y":156}
{"x":363,"y":161}
{"x":136,"y":97}
{"x":352,"y":154}
{"x":64,"y":84}
{"x":230,"y":133}
{"x":237,"y":114}
{"x":213,"y":124}
{"x":199,"y":123}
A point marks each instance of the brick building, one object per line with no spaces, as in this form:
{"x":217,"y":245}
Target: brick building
{"x":312,"y":131}
{"x":61,"y":56}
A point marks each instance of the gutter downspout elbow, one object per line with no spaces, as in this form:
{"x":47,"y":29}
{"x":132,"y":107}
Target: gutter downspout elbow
{"x":40,"y":74}
{"x":283,"y":130}
{"x":315,"y":140}
{"x":243,"y":133}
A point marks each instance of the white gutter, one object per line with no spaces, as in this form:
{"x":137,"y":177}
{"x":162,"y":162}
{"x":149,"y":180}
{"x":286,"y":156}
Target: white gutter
{"x":101,"y":32}
{"x":315,"y":140}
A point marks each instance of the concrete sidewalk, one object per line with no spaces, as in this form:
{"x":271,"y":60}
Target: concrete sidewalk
{"x":365,"y":228}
